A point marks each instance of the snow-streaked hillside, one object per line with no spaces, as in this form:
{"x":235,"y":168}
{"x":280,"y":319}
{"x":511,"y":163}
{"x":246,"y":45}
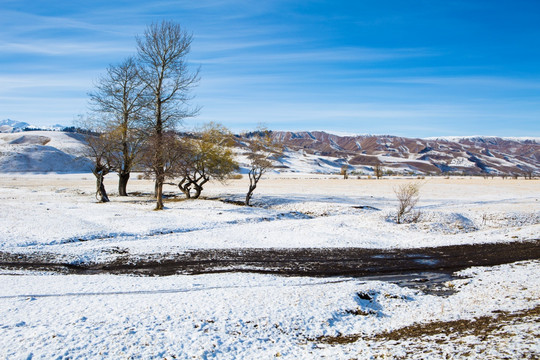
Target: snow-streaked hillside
{"x":43,"y":151}
{"x":311,"y":153}
{"x":8,"y":126}
{"x":468,"y":155}
{"x":484,"y":138}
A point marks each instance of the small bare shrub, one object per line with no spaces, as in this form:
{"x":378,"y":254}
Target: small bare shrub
{"x":235,"y":176}
{"x":378,"y":171}
{"x":344,"y":171}
{"x":408,"y":196}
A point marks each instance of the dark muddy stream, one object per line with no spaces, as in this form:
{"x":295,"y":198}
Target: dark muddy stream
{"x":424,"y":268}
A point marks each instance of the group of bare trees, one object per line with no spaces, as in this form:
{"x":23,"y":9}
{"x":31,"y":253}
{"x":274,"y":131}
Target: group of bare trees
{"x":137,"y":105}
{"x":135,"y":110}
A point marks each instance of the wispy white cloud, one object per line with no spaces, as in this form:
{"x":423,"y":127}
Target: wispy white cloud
{"x":214,"y":46}
{"x":473,"y":80}
{"x":74,"y":81}
{"x":26,"y":23}
{"x":51,"y":47}
{"x":336,"y":54}
{"x":265,"y":61}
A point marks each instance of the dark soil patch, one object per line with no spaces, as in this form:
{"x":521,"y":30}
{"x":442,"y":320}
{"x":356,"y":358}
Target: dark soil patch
{"x":355,"y":262}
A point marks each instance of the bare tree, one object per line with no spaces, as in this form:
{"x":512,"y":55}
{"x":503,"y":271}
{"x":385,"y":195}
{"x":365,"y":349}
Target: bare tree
{"x":206,"y":155}
{"x":344,"y":171}
{"x":408,"y":196}
{"x":528,"y":173}
{"x":378,"y":171}
{"x":99,"y":149}
{"x":169,"y":159}
{"x":262,"y":150}
{"x":119,"y":100}
{"x":162,"y":52}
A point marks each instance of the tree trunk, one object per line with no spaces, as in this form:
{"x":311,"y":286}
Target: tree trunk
{"x":199,"y":187}
{"x":185,"y":187}
{"x":159,"y":194}
{"x":160,"y":179}
{"x":101,"y":193}
{"x":250,"y":193}
{"x":123,"y":178}
{"x":254,"y":177}
{"x":187,"y":192}
{"x":198,"y":190}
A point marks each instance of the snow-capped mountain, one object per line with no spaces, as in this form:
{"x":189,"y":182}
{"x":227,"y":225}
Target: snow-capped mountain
{"x":11,"y":126}
{"x":8,"y":126}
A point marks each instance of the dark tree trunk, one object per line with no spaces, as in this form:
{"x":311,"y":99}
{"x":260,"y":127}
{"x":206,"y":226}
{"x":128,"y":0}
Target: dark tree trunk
{"x":160,"y":179}
{"x":198,"y":190}
{"x":101,"y":193}
{"x":185,"y":186}
{"x":250,"y":193}
{"x":159,"y":194}
{"x":187,"y":192}
{"x":254,"y":177}
{"x":123,"y":178}
{"x":252,"y":185}
{"x":160,"y":168}
{"x":199,"y":187}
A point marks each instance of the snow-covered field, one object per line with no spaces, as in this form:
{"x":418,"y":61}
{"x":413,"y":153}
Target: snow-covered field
{"x":248,"y":316}
{"x":242,"y":316}
{"x":59,"y":214}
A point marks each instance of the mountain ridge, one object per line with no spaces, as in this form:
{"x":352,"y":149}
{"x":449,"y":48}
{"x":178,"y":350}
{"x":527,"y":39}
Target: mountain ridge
{"x":467,"y":155}
{"x":311,"y":152}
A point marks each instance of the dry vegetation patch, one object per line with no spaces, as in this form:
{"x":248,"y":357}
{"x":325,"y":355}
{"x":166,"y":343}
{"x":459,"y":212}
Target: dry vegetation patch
{"x":486,"y":336}
{"x":481,"y":326}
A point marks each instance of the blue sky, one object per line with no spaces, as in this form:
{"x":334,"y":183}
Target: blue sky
{"x":411,"y":68}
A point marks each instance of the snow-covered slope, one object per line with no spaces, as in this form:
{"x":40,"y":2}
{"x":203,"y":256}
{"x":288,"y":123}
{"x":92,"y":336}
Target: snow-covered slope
{"x":42,"y":151}
{"x":310,"y":152}
{"x":468,"y":155}
{"x":8,"y":126}
{"x":485,"y":138}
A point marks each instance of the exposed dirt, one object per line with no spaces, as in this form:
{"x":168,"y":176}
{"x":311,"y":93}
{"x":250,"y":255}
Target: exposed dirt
{"x":294,"y":262}
{"x":481,"y":326}
{"x":467,"y":338}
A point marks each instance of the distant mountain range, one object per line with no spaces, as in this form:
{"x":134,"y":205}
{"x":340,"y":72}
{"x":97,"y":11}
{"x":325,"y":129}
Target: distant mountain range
{"x":467,"y":155}
{"x":306,"y":152}
{"x":11,"y":126}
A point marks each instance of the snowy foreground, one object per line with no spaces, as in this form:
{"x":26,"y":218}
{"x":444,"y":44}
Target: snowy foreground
{"x":242,"y":316}
{"x":492,"y":313}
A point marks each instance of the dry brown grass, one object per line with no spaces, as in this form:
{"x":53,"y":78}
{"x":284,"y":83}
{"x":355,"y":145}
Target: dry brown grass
{"x":451,"y":330}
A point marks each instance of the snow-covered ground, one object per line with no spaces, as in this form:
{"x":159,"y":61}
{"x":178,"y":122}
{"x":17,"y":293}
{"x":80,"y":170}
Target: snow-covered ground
{"x":245,"y":316}
{"x":248,"y":316}
{"x":58,"y":214}
{"x":43,"y":151}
